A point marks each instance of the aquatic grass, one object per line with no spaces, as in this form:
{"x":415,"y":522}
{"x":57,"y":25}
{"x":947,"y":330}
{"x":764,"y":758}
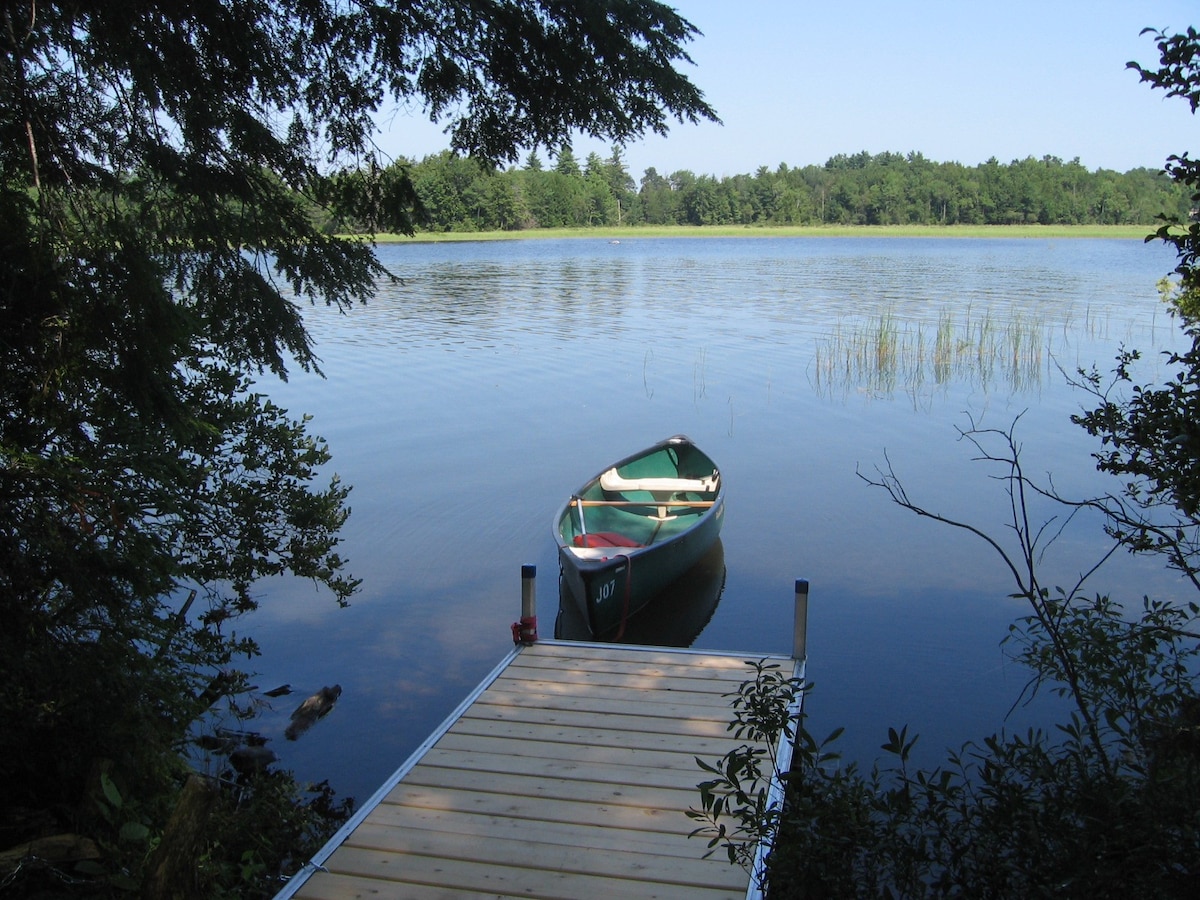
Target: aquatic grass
{"x":946,"y":345}
{"x":1023,"y":355}
{"x":877,"y":356}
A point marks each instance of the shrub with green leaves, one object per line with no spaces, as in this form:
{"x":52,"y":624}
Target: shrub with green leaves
{"x":1044,"y":813}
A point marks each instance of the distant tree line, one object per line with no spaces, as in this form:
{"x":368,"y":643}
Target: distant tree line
{"x":459,"y":194}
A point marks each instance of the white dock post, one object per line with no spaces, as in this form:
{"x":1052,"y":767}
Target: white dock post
{"x":525,"y":631}
{"x":800,"y":625}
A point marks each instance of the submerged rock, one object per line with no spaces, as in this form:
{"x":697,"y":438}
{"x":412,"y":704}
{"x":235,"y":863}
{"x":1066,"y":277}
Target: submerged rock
{"x":251,"y":760}
{"x":312,"y":709}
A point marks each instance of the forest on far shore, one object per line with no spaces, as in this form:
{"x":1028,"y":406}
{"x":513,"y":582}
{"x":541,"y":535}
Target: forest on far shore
{"x":459,"y":194}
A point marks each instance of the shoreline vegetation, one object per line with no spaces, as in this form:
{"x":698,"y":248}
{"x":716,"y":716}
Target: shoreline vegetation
{"x":633,"y":232}
{"x":460,"y":195}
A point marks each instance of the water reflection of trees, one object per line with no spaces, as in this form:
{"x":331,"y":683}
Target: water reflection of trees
{"x":883,"y":354}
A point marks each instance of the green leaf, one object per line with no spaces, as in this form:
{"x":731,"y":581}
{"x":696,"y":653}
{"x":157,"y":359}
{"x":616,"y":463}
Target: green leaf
{"x":110,"y":790}
{"x":134,"y":832}
{"x":123,"y":882}
{"x":833,"y":735}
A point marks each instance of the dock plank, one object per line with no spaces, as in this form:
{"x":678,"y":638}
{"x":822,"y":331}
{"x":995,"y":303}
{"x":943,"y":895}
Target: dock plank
{"x":588,"y":735}
{"x":567,"y":812}
{"x":533,"y":850}
{"x":569,"y":776}
{"x":541,"y":785}
{"x":516,"y":878}
{"x":668,"y":707}
{"x":567,"y":745}
{"x":641,"y":768}
{"x":601,"y":836}
{"x":619,"y":723}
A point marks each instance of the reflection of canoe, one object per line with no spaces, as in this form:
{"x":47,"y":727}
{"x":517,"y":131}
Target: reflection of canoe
{"x":675,"y":618}
{"x":635,"y":528}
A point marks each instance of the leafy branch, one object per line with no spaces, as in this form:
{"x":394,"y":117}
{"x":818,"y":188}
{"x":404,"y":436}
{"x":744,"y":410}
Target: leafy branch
{"x":767,"y":711}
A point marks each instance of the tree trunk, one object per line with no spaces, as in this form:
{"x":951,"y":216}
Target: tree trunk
{"x":172,"y":870}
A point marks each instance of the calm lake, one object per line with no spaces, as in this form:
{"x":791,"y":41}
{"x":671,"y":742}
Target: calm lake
{"x":466,"y":403}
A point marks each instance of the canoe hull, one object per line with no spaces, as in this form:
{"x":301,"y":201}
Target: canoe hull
{"x":675,"y":617}
{"x":670,"y":530}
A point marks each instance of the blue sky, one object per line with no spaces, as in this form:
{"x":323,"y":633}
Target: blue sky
{"x":797,"y":81}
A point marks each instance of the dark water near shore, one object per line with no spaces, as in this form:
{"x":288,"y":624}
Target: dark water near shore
{"x":466,"y":402}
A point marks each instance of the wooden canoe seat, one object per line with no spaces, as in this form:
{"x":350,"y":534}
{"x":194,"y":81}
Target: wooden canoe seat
{"x":613,"y":481}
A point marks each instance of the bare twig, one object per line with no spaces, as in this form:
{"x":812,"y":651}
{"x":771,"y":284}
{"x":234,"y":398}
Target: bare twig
{"x":1023,"y":564}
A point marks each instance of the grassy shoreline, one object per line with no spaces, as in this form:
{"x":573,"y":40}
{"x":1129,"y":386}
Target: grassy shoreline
{"x":1115,"y":232}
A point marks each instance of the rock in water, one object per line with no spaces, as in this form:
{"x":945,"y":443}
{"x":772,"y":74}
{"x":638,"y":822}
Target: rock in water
{"x":251,"y":760}
{"x":312,"y":709}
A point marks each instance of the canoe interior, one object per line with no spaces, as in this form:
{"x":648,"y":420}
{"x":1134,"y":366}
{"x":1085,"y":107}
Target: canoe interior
{"x":656,"y":521}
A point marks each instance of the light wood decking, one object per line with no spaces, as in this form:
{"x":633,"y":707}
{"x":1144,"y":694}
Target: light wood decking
{"x":567,"y":775}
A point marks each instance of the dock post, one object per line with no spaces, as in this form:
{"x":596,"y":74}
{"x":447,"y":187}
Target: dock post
{"x":525,"y":631}
{"x":800,"y":625}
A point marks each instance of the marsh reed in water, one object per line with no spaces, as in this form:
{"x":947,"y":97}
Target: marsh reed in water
{"x":884,"y":354}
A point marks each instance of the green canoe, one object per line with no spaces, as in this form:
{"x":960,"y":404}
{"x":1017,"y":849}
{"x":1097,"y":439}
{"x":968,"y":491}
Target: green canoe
{"x":635,"y":528}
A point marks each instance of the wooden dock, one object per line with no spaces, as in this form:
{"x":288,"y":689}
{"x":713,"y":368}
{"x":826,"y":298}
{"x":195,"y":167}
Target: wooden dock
{"x":566,"y":774}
